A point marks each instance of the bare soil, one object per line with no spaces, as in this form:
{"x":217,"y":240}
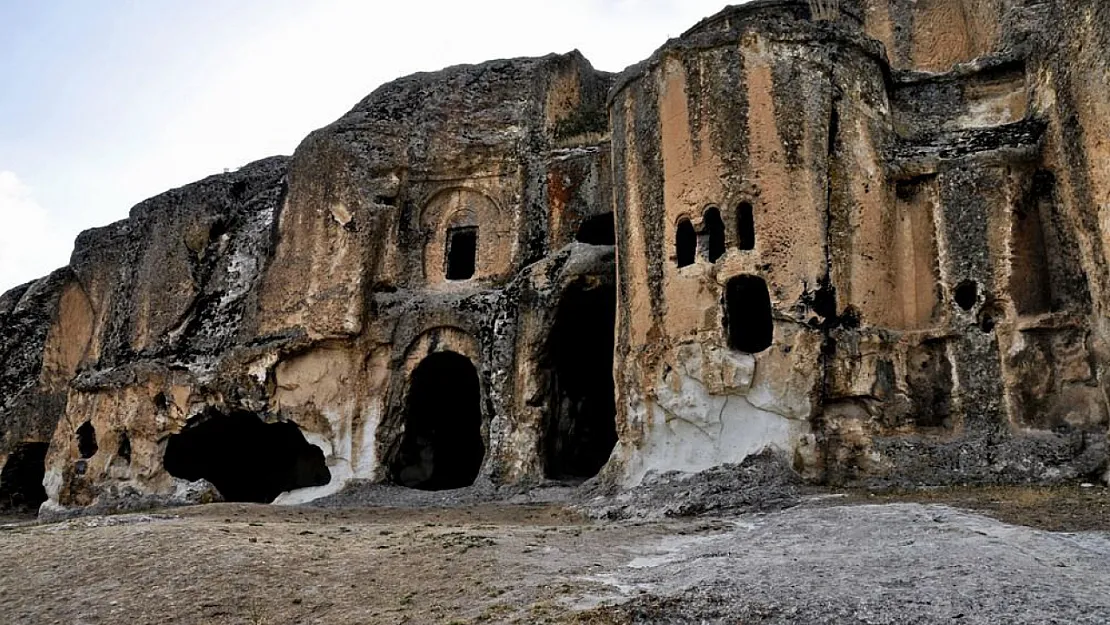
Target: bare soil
{"x":909,"y":559}
{"x":1071,"y":508}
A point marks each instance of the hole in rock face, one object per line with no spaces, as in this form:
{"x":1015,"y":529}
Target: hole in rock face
{"x":462,"y":252}
{"x":124,"y":450}
{"x":715,"y":227}
{"x":986,"y":323}
{"x":442,"y":447}
{"x":748,"y":318}
{"x":580,"y":428}
{"x":685,"y":243}
{"x":238,"y":189}
{"x":967,"y":294}
{"x":989,"y":315}
{"x":86,"y":440}
{"x":745,"y":227}
{"x":21,"y":480}
{"x":598,"y":230}
{"x":217,"y":230}
{"x":245,"y":458}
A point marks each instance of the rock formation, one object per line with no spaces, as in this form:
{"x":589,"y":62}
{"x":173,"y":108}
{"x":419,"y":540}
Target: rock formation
{"x":869,"y":235}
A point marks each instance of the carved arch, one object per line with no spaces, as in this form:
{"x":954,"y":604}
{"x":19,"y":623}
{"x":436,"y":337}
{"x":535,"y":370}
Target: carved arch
{"x":459,"y":207}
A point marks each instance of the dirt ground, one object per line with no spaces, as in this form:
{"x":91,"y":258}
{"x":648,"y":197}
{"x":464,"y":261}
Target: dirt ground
{"x":835,"y":559}
{"x":1072,"y":508}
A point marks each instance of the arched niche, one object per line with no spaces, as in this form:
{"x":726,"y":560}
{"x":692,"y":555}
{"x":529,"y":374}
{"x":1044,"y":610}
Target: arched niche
{"x":685,"y":243}
{"x":714,"y":228}
{"x":437,"y":437}
{"x":464,"y":226}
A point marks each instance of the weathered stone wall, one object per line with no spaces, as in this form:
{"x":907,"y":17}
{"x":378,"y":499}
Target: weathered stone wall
{"x":934,"y":35}
{"x":876,"y":244}
{"x":171,"y":298}
{"x":915,"y":237}
{"x":737,"y":111}
{"x":492,"y":147}
{"x":312,"y":296}
{"x":998,"y":379}
{"x":46,"y":326}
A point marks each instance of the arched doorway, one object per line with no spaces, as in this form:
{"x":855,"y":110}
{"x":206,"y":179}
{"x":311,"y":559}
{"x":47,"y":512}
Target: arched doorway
{"x":442,"y":446}
{"x":580,"y":427}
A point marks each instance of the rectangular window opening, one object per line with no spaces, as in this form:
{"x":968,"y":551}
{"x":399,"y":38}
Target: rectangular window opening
{"x":462,"y":252}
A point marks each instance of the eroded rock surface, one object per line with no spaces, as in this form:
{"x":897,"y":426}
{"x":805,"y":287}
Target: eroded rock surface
{"x":870,"y":241}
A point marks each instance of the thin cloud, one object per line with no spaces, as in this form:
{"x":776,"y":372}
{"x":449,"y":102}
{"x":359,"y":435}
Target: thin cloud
{"x":28,"y":248}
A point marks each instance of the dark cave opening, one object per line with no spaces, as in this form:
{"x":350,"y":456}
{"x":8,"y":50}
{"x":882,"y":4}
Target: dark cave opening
{"x":124,"y":449}
{"x":86,"y":440}
{"x":751,"y":328}
{"x":598,"y":230}
{"x":715,"y":228}
{"x":685,"y":243}
{"x":462,"y":252}
{"x":245,"y":458}
{"x":745,"y":227}
{"x":580,"y":427}
{"x":967,"y":294}
{"x":442,"y":447}
{"x":21,"y":480}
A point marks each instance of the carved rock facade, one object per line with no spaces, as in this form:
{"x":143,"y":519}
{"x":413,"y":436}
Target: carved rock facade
{"x":873,"y":239}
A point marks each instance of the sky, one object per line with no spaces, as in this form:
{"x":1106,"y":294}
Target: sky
{"x":104,"y":103}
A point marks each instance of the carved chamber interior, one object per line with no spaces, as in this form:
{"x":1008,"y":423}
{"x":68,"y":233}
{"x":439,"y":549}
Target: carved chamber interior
{"x":442,"y":446}
{"x":685,"y":244}
{"x":745,"y":227}
{"x":86,"y":440}
{"x":715,"y":234}
{"x":748,"y":318}
{"x":580,"y":428}
{"x":245,"y":458}
{"x":598,"y":230}
{"x":21,"y":480}
{"x":462,"y":252}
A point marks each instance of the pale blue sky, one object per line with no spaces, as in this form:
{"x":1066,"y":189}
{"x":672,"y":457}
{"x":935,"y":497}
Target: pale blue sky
{"x":105,"y":103}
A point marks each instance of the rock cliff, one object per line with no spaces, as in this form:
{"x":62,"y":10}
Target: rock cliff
{"x":866,"y":235}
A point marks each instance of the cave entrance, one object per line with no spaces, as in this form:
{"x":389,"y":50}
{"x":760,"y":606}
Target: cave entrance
{"x":442,"y":447}
{"x":21,"y":480}
{"x":245,"y":458}
{"x":580,"y":428}
{"x":748,"y":318}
